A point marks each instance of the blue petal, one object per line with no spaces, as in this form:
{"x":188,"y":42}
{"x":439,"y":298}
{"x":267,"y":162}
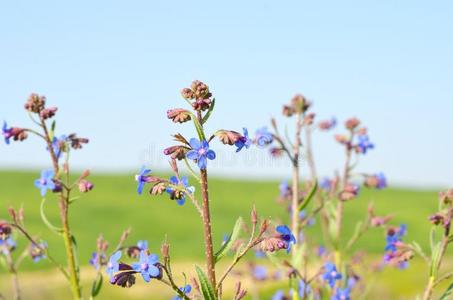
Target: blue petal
{"x":192,"y":154}
{"x":115,"y":257}
{"x":153,"y":271}
{"x":195,"y":144}
{"x":185,"y":181}
{"x":211,"y":155}
{"x":153,"y":259}
{"x":174,"y":180}
{"x":146,"y":277}
{"x":181,"y":202}
{"x":283,"y":229}
{"x":202,"y":162}
{"x":140,"y":187}
{"x":43,"y":191}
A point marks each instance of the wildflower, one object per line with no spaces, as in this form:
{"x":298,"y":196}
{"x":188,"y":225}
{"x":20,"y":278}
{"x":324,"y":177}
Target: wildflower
{"x":18,"y":134}
{"x":300,"y":104}
{"x":46,"y":182}
{"x":244,"y":141}
{"x":285,"y":190}
{"x":7,"y":245}
{"x":85,"y":186}
{"x":177,"y":152}
{"x":259,"y":273}
{"x":309,"y":119}
{"x":48,"y":113}
{"x":200,"y":90}
{"x":77,"y":142}
{"x":228,"y":137}
{"x":5,"y":230}
{"x":142,"y":178}
{"x":350,"y":192}
{"x":326,"y":184}
{"x":35,"y":103}
{"x":179,"y":115}
{"x":395,"y":237}
{"x":304,"y":289}
{"x":97,"y":259}
{"x":135,"y":251}
{"x":147,"y":266}
{"x":125,"y":278}
{"x":59,"y":145}
{"x":276,"y":152}
{"x":113,"y":265}
{"x":201,"y":104}
{"x":364,"y":144}
{"x":279,"y":295}
{"x":37,"y":252}
{"x":263,"y":137}
{"x":352,"y":123}
{"x":176,"y":194}
{"x":201,"y":153}
{"x":328,"y":124}
{"x":185,"y":290}
{"x":287,"y":236}
{"x":331,"y":275}
{"x":377,"y":181}
{"x":187,"y":94}
{"x":342,"y":294}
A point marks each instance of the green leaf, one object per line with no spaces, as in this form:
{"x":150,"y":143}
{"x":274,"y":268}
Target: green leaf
{"x":208,"y":114}
{"x":198,"y":127}
{"x":418,"y":249}
{"x":206,"y":287}
{"x":52,"y":130}
{"x":97,"y":285}
{"x":309,"y":197}
{"x":46,"y":221}
{"x":447,"y":293}
{"x":229,"y":243}
{"x":435,"y":257}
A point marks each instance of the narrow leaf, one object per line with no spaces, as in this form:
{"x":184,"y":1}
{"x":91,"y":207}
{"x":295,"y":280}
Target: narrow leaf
{"x":208,"y":114}
{"x":447,"y":293}
{"x":97,"y":285}
{"x":206,"y":287}
{"x":310,"y":196}
{"x":230,"y":242}
{"x":46,"y":221}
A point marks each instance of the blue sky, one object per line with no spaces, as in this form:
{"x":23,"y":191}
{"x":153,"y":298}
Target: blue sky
{"x":115,"y":67}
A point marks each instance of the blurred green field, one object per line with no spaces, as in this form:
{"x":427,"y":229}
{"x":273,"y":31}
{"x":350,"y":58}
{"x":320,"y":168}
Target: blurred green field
{"x":114,"y":206}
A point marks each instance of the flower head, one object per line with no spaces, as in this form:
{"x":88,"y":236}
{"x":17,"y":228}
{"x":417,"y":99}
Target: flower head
{"x":244,"y":141}
{"x":201,"y":153}
{"x":58,"y":145}
{"x":263,"y":137}
{"x":147,"y":266}
{"x":46,"y":182}
{"x":364,"y":144}
{"x":7,"y":245}
{"x":331,"y":275}
{"x":378,"y":181}
{"x":185,"y":290}
{"x":142,"y":179}
{"x":113,"y":265}
{"x":395,"y":237}
{"x":37,"y":252}
{"x":287,"y":236}
{"x":97,"y":259}
{"x":17,"y":134}
{"x":328,"y":124}
{"x":342,"y":294}
{"x":176,"y":194}
{"x":6,"y":132}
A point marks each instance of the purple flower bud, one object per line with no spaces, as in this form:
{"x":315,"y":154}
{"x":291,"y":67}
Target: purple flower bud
{"x":48,"y":113}
{"x":179,"y":115}
{"x":35,"y":103}
{"x":228,"y":137}
{"x":187,"y":94}
{"x":352,"y":123}
{"x":177,"y":152}
{"x":85,"y":186}
{"x":77,"y":142}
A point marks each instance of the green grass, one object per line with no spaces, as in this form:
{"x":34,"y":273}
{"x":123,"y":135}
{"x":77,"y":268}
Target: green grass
{"x":114,"y":205}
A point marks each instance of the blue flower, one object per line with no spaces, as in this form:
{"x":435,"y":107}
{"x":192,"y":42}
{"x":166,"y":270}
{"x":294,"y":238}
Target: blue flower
{"x":142,"y":245}
{"x":142,"y":179}
{"x":58,"y":145}
{"x":331,"y":275}
{"x":96,"y":260}
{"x":394,"y":237}
{"x":285,"y":189}
{"x":37,"y":252}
{"x":259,"y":273}
{"x":263,"y":137}
{"x":45,"y":182}
{"x":342,"y":294}
{"x":6,"y":132}
{"x":7,"y":245}
{"x":287,"y":236}
{"x":180,"y":196}
{"x":147,"y":266}
{"x":244,"y":141}
{"x":279,"y":295}
{"x":304,"y":289}
{"x":113,"y":265}
{"x":381,"y":181}
{"x":201,"y":153}
{"x":326,"y":184}
{"x":364,"y":144}
{"x":186,"y":290}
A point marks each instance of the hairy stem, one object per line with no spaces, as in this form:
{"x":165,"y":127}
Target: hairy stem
{"x":296,"y":179}
{"x":14,"y":278}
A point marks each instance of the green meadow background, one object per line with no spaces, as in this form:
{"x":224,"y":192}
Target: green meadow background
{"x":114,"y":206}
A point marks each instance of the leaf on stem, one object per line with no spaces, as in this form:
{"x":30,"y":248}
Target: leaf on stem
{"x":206,"y":287}
{"x":230,"y":241}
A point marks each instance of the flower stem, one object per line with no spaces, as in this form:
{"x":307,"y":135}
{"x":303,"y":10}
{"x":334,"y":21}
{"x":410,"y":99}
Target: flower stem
{"x":296,"y":179}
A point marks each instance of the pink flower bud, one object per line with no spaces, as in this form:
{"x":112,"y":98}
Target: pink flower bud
{"x":179,"y":115}
{"x":85,"y":186}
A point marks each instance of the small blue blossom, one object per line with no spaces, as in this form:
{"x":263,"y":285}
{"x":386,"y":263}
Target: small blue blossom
{"x":326,"y":184}
{"x":381,"y":181}
{"x":279,"y":295}
{"x":7,"y":245}
{"x":96,"y":260}
{"x":259,"y":273}
{"x":244,"y":141}
{"x":147,"y":266}
{"x":142,"y":245}
{"x":263,"y":137}
{"x":37,"y":252}
{"x":186,"y":290}
{"x":58,"y":145}
{"x":287,"y":236}
{"x":342,"y":294}
{"x":180,"y":196}
{"x":201,"y":153}
{"x":142,"y":179}
{"x":260,"y":254}
{"x":45,"y":182}
{"x":364,"y":144}
{"x":285,"y":189}
{"x":113,"y":265}
{"x":394,"y":237}
{"x":331,"y":275}
{"x":304,"y":289}
{"x":6,"y":132}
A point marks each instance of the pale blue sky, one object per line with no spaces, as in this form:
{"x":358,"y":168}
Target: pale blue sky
{"x":114,"y":67}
